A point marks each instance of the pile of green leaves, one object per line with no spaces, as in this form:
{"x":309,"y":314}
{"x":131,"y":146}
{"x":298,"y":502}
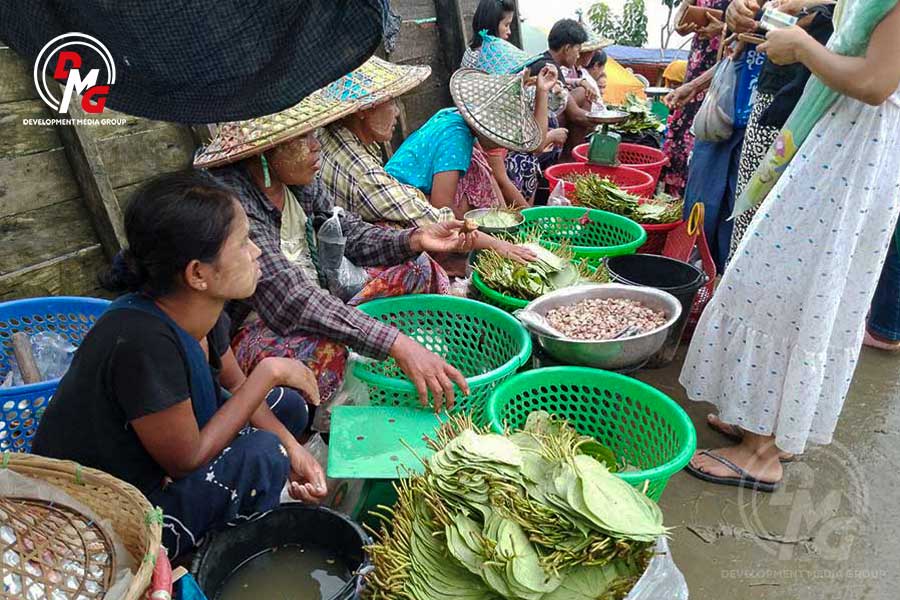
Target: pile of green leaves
{"x":640,"y":117}
{"x":533,"y":515}
{"x":553,"y":270}
{"x":598,"y":192}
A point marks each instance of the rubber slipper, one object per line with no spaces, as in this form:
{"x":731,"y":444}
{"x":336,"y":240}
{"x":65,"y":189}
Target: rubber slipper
{"x":729,"y":431}
{"x":744,"y":479}
{"x":873,"y":342}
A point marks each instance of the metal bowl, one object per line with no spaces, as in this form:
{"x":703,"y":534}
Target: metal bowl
{"x":477,"y":213}
{"x":608,"y":117}
{"x":626,"y":354}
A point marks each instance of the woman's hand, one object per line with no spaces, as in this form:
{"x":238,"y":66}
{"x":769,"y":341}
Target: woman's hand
{"x":443,"y":237}
{"x":783,"y":46}
{"x":795,"y":7}
{"x":307,"y":478}
{"x":589,"y":93}
{"x":547,"y":79}
{"x":428,"y":372}
{"x":558,"y":136}
{"x":741,"y":15}
{"x":711,"y":30}
{"x":293,"y":374}
{"x":679,"y":96}
{"x":520,"y":254}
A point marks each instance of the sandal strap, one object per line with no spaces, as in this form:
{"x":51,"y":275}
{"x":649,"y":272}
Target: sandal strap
{"x":721,"y":459}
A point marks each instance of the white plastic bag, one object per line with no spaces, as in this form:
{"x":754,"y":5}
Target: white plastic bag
{"x":352,"y":392}
{"x":343,"y":494}
{"x":662,"y":579}
{"x":715,"y":119}
{"x":345,"y":279}
{"x":558,"y":196}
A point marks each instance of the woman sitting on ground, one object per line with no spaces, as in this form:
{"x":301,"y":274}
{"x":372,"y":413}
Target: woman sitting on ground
{"x":271,"y":163}
{"x":352,"y":169}
{"x":154,"y":395}
{"x":447,"y":157}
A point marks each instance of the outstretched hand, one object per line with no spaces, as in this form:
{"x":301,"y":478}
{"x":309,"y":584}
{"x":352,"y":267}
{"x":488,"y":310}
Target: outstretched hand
{"x":429,"y":373}
{"x":450,"y":236}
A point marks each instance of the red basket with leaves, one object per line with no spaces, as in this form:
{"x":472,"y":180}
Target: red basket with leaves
{"x":635,"y":156}
{"x":687,"y":242}
{"x":630,"y":180}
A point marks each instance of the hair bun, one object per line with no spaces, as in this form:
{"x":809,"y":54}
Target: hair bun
{"x":124,"y":275}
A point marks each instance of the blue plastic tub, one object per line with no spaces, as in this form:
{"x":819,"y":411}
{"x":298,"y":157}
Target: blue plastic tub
{"x":21,"y":407}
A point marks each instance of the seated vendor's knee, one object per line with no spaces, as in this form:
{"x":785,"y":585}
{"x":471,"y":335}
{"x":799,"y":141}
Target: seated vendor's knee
{"x":264,"y":460}
{"x":291,"y":408}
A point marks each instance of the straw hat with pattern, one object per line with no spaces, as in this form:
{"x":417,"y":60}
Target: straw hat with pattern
{"x":494,"y":106}
{"x":375,"y":82}
{"x":596,"y":42}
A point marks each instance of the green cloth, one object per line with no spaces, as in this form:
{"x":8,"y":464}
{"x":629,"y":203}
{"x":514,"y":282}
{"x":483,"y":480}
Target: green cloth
{"x":855,"y":20}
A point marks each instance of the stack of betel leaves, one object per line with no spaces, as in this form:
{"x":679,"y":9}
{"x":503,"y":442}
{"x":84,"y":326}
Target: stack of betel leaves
{"x":532,"y":515}
{"x":594,"y":191}
{"x":640,"y":116}
{"x":552,"y":270}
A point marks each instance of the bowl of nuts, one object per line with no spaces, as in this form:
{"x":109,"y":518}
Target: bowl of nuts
{"x":606,"y":326}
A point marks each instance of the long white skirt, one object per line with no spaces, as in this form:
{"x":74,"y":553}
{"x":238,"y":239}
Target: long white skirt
{"x":776,"y":348}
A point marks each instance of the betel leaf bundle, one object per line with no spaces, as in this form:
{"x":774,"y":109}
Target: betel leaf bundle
{"x":640,"y":117}
{"x":532,"y":515}
{"x":594,"y":191}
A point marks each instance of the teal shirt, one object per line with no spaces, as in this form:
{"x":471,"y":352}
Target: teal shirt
{"x":444,"y":143}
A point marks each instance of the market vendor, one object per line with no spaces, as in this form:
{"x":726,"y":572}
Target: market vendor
{"x":271,"y":163}
{"x":352,"y":170}
{"x":154,"y":395}
{"x":447,"y":158}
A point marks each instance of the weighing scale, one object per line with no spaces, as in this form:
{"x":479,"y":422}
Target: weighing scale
{"x":656,"y":94}
{"x":604,"y":147}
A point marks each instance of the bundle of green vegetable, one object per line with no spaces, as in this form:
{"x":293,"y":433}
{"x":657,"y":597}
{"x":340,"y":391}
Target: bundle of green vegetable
{"x":531,"y":515}
{"x":640,"y":117}
{"x":551,"y":271}
{"x":598,"y":192}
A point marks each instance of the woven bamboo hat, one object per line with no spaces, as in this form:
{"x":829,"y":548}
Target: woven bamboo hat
{"x":494,"y":106}
{"x":596,"y":42}
{"x":375,"y":82}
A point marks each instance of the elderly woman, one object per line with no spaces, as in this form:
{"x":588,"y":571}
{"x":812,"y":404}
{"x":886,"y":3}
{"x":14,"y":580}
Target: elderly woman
{"x":271,"y":163}
{"x":447,"y":157}
{"x":352,"y":169}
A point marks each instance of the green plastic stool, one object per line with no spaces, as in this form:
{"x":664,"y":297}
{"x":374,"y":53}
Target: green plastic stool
{"x":378,"y":444}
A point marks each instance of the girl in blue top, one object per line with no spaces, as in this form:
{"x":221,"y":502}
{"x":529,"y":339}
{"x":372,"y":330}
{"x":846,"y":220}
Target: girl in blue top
{"x":438,"y":158}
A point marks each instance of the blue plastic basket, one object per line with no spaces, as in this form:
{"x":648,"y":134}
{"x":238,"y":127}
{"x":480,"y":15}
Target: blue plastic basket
{"x":21,"y":407}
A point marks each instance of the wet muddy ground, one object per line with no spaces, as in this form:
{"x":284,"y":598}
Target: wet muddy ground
{"x":831,"y":532}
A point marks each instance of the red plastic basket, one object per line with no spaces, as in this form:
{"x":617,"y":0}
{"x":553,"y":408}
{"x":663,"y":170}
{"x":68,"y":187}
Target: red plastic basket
{"x":643,"y":158}
{"x":657,"y":236}
{"x":630,"y":180}
{"x":680,"y":244}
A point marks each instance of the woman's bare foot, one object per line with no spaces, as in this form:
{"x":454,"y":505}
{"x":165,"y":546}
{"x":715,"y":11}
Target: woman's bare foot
{"x":759,"y":461}
{"x":873,"y":341}
{"x":735,"y":433}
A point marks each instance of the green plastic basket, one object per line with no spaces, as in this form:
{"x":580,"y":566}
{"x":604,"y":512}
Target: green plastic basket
{"x":495,"y":298}
{"x":486,"y":344}
{"x":604,"y":234}
{"x":643,"y":426}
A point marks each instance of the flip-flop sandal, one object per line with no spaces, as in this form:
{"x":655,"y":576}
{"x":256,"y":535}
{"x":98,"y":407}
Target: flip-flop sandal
{"x":745,"y":479}
{"x":729,"y":431}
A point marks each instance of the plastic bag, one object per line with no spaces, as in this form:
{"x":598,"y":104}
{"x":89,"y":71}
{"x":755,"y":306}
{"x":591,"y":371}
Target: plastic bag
{"x":459,"y":287}
{"x":558,"y":196}
{"x":343,"y":494}
{"x":52,"y":354}
{"x":715,"y":119}
{"x":662,"y":579}
{"x":352,"y":392}
{"x":344,"y":278}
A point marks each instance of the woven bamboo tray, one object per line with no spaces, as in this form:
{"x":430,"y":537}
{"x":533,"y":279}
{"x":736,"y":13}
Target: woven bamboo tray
{"x":123,"y":505}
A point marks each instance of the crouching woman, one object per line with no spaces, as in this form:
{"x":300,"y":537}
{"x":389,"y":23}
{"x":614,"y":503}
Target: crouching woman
{"x":154,"y":395}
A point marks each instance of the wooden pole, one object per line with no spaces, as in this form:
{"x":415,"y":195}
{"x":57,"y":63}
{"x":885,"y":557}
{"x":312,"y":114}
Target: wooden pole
{"x":96,"y":189}
{"x":21,"y":344}
{"x":451,"y":30}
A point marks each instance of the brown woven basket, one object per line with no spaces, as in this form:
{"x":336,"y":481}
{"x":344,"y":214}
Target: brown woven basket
{"x":110,"y":498}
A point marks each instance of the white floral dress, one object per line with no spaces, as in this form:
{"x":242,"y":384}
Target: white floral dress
{"x":776,"y":348}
